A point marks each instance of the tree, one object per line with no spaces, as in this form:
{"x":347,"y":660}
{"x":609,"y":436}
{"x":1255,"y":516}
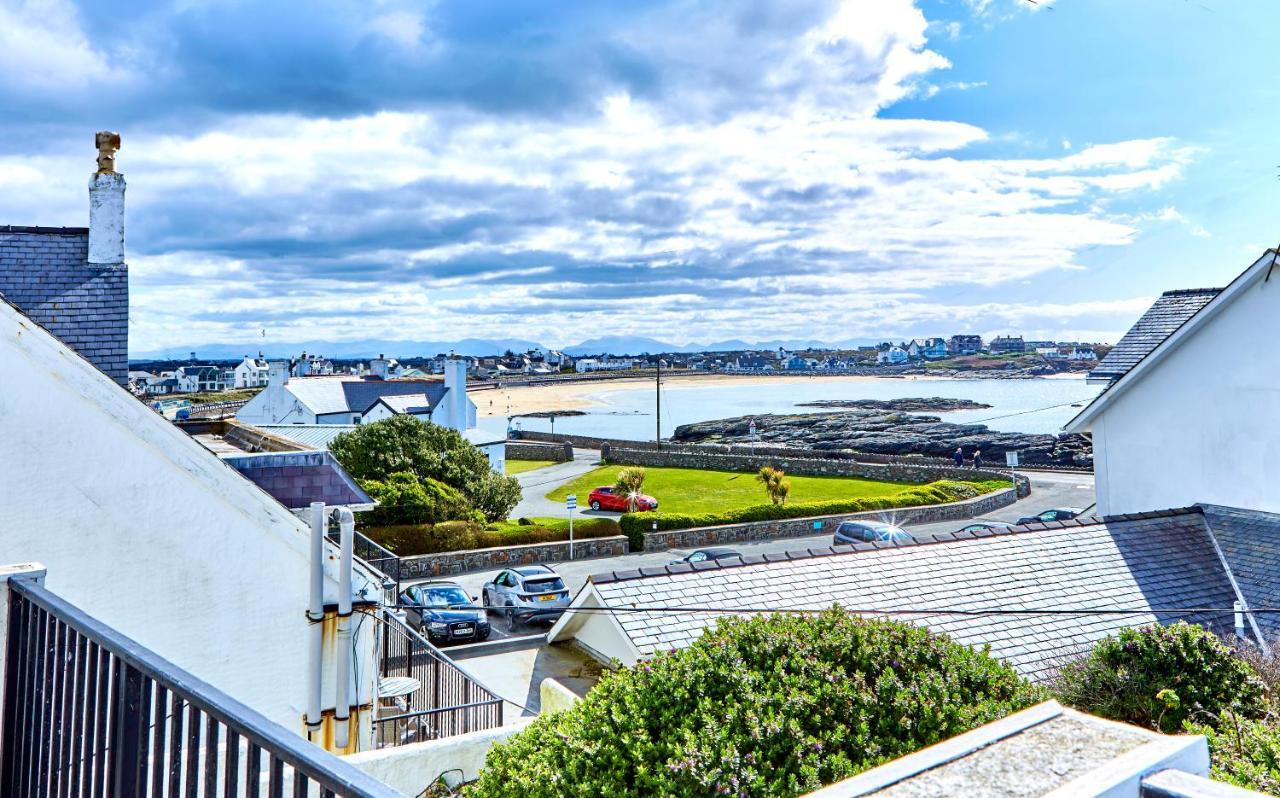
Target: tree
{"x":628,"y":483}
{"x":404,"y":499}
{"x":775,"y":483}
{"x":429,"y":452}
{"x":771,"y":706}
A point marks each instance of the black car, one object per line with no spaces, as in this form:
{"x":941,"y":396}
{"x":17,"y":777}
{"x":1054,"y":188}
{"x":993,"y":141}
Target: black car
{"x":703,"y":555}
{"x":1056,"y":514}
{"x":444,"y":613}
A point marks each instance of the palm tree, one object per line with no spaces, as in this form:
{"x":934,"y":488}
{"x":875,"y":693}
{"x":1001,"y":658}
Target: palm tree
{"x":775,"y":484}
{"x":628,"y":483}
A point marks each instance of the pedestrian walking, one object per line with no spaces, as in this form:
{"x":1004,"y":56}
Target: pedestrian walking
{"x":977,"y":458}
{"x":959,"y":457}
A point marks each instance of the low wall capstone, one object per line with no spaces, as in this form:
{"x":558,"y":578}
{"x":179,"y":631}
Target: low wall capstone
{"x":804,"y":527}
{"x":447,"y":563}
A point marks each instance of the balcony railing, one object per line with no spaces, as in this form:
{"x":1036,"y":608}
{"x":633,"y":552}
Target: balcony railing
{"x":448,"y":700}
{"x":89,"y":712}
{"x":374,"y":555}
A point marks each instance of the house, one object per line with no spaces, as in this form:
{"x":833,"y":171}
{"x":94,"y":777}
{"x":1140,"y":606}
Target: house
{"x":798,"y":363}
{"x":892,"y":356}
{"x":753,"y":362}
{"x":1203,"y":559}
{"x":252,"y":372}
{"x":161,"y":385}
{"x":1006,"y":345}
{"x":1082,"y":353}
{"x":603,"y":363}
{"x":964,"y":344}
{"x":198,"y":379}
{"x":311,"y":365}
{"x":1188,"y":414}
{"x":143,"y":527}
{"x":385,"y":368}
{"x":926,"y":349}
{"x":73,"y":281}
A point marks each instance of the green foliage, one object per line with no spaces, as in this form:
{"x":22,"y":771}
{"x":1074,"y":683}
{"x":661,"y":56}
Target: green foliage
{"x":769,"y":706}
{"x":404,"y":499}
{"x":938,"y":492}
{"x":629,"y":482}
{"x":409,"y":539}
{"x":403,"y":444}
{"x":776,"y":484}
{"x":1161,"y":676}
{"x":1243,"y":751}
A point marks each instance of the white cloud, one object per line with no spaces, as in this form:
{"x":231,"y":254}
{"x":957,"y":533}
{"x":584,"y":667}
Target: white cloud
{"x":43,"y":48}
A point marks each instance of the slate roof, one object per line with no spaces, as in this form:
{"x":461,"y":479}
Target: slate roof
{"x":407,"y":403}
{"x":325,"y":395}
{"x":1170,"y":311}
{"x":45,"y":273}
{"x":1250,"y":542}
{"x":1152,"y":563}
{"x":295,"y":479}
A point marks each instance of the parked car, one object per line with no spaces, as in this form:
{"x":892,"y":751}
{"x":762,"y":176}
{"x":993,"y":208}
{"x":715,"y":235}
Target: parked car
{"x":444,"y":613}
{"x":979,"y":526}
{"x":702,"y":555}
{"x":604,"y":498}
{"x":868,"y":532}
{"x":527,"y":593}
{"x":1056,"y":514}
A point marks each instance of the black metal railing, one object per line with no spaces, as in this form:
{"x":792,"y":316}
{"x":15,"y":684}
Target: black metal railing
{"x":89,"y":712}
{"x":374,"y":555}
{"x":448,"y":701}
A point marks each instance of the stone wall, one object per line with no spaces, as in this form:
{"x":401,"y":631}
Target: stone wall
{"x":460,"y":562}
{"x":804,"y":527}
{"x":698,"y":457}
{"x":537,"y":451}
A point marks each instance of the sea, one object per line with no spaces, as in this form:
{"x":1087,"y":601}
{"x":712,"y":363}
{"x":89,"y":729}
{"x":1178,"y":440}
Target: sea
{"x":628,"y":411}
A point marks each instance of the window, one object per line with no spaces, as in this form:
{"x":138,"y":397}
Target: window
{"x":698,"y":556}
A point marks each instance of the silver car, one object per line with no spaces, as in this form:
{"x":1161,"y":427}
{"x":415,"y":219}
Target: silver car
{"x":527,"y":593}
{"x":850,"y":532}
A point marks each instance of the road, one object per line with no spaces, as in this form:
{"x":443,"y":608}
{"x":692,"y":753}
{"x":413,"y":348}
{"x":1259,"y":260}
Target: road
{"x":1048,"y":489}
{"x":536,"y":484}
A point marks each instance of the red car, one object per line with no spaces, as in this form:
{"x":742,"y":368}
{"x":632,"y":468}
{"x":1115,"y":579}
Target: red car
{"x":603,"y":498}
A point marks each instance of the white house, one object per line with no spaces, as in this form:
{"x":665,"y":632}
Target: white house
{"x":93,"y":476}
{"x":1189,"y":413}
{"x":893,"y":355}
{"x":604,"y":363}
{"x":197,"y":379}
{"x":1082,"y":353}
{"x":252,"y":372}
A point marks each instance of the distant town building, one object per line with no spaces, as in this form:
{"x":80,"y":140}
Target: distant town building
{"x":252,"y":372}
{"x":311,"y":366}
{"x":604,"y":363}
{"x":964,"y":344}
{"x":199,"y":379}
{"x":1082,"y":353}
{"x":1004,"y":345}
{"x":892,"y":356}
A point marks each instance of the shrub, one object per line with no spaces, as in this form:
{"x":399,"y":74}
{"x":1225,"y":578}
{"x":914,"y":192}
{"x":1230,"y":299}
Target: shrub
{"x":1161,"y":676}
{"x":405,"y":499}
{"x":1243,"y":751}
{"x":942,"y":491}
{"x":407,"y":540}
{"x":403,"y":444}
{"x":768,"y":706}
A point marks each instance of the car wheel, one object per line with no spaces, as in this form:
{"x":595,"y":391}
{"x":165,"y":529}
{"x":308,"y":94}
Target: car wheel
{"x":513,"y":622}
{"x":595,"y":505}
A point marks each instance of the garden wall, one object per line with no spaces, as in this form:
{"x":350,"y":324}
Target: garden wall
{"x":804,"y":527}
{"x":460,"y":562}
{"x":698,"y":457}
{"x":538,"y":451}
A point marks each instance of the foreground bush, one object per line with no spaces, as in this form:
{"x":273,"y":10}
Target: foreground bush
{"x":407,"y":540}
{"x":1162,"y":676}
{"x":1243,"y":751}
{"x":634,"y":525}
{"x":769,"y":706}
{"x":403,"y":498}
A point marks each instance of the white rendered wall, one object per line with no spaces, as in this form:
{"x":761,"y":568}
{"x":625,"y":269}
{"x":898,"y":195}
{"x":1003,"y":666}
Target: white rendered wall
{"x":92,"y":481}
{"x":274,"y":404}
{"x":106,"y":218}
{"x":1203,"y":425}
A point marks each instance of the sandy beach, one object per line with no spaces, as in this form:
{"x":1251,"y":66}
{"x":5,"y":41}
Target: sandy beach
{"x":519,"y":400}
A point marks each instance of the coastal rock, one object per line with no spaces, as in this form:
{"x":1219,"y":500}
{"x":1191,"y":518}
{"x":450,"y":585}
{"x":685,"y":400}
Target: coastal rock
{"x":910,"y":405}
{"x":894,"y":433}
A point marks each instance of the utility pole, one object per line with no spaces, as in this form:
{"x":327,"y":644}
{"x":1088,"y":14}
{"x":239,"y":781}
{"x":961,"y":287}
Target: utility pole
{"x":657,"y":400}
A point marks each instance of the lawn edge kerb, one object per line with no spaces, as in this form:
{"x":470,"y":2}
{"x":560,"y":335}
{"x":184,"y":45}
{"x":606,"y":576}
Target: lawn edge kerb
{"x":635,"y":525}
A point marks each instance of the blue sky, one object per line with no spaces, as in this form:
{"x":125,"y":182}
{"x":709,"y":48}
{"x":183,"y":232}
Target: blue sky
{"x":686,"y":170}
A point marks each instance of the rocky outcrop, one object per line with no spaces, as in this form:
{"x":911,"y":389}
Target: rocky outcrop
{"x":911,"y":405}
{"x":884,"y":432}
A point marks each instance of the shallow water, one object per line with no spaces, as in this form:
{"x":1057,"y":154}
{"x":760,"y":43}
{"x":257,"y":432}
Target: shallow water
{"x":1034,"y":405}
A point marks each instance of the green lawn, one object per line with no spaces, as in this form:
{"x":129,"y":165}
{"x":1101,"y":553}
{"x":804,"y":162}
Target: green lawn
{"x":520,"y":466}
{"x":688,"y":490}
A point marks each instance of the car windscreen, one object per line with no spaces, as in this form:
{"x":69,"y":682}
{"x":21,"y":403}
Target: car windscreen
{"x":545,"y":585}
{"x":442,"y":598}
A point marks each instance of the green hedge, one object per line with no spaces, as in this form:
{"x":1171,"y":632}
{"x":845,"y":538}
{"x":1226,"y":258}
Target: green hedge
{"x":635,"y":525}
{"x":771,"y":707}
{"x":409,"y":539}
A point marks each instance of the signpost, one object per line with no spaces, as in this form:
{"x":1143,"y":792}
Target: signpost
{"x":571,"y":504}
{"x":1011,"y":460}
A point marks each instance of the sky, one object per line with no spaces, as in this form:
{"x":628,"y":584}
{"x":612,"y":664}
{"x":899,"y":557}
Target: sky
{"x":682,"y":169}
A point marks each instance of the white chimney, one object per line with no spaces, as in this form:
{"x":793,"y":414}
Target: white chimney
{"x":279,"y":373}
{"x":378,"y":366}
{"x":455,"y":380}
{"x":106,"y":205}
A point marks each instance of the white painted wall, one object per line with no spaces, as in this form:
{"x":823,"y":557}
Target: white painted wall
{"x":274,"y":404}
{"x":106,"y":218}
{"x":91,"y":480}
{"x":412,"y":768}
{"x":1203,"y":425}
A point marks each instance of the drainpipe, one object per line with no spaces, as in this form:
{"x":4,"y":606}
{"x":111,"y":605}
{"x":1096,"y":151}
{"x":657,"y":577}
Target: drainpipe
{"x":1239,"y":617}
{"x":315,"y":616}
{"x":342,"y":705}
